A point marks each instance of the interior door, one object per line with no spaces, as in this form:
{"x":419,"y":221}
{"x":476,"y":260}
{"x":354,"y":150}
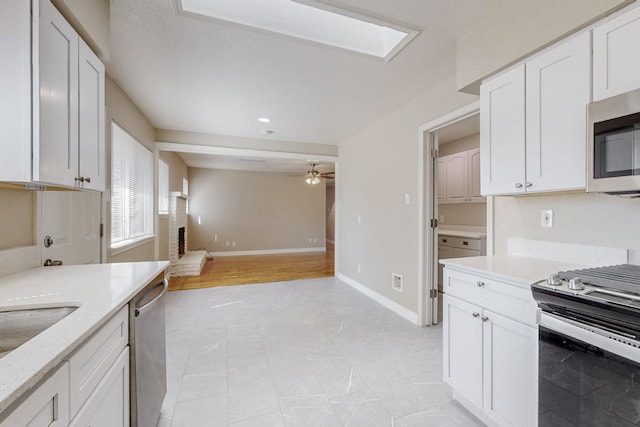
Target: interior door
{"x":71,"y":219}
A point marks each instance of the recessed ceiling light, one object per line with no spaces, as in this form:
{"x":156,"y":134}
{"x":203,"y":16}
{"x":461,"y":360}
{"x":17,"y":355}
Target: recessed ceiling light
{"x":311,"y":20}
{"x":264,"y":120}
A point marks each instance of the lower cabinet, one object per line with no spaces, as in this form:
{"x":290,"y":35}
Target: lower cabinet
{"x":490,"y":360}
{"x":90,"y":388}
{"x":108,"y":405}
{"x":47,"y":406}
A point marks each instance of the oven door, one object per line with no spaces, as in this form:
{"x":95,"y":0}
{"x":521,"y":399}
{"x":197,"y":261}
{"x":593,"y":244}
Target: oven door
{"x":586,"y":377}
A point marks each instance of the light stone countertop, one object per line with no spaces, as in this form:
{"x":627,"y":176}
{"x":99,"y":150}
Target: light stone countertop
{"x":515,"y":269}
{"x":100,"y":290}
{"x":465,"y":231}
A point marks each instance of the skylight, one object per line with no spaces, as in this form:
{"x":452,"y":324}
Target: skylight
{"x":308,"y":20}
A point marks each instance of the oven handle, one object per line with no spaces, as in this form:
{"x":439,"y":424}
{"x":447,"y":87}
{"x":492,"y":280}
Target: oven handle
{"x":605,"y":340}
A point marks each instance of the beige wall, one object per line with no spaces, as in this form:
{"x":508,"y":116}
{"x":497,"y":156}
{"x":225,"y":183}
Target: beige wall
{"x":90,"y":18}
{"x":511,"y":30}
{"x":588,"y":219}
{"x":125,"y":113}
{"x":17,"y":218}
{"x":377,"y":167}
{"x":259,"y":211}
{"x":463,"y":144}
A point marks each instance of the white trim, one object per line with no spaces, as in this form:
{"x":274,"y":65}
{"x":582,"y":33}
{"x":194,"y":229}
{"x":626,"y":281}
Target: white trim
{"x":269,"y":251}
{"x":425,"y":268}
{"x":132,"y":243}
{"x":225,"y":151}
{"x":380,"y":299}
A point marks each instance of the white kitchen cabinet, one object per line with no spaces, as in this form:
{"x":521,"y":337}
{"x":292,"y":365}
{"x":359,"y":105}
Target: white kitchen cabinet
{"x":47,"y":405}
{"x":533,"y":122}
{"x":459,"y":177}
{"x":458,"y":247}
{"x":616,"y":64}
{"x":490,"y":348}
{"x":108,"y":405}
{"x":56,"y":127}
{"x":89,"y":364}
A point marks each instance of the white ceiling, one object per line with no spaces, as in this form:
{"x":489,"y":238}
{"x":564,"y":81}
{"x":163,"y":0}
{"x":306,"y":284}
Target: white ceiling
{"x":203,"y":75}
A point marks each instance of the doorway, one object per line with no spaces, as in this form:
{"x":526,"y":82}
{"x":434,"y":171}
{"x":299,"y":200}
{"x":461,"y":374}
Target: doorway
{"x":450,"y":128}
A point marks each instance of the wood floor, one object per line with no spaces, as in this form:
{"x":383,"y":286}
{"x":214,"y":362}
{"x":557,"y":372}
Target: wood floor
{"x":243,"y":270}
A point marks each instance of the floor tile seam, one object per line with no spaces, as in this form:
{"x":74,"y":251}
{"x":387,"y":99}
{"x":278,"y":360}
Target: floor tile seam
{"x":182,"y":375}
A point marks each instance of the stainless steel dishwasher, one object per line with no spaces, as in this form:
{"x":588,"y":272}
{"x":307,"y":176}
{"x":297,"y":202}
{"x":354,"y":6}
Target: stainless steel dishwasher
{"x":148,"y":375}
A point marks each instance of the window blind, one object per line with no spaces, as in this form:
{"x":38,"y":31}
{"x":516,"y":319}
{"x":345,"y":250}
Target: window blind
{"x":131,"y":188}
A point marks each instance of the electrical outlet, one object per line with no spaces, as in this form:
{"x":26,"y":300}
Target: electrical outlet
{"x":546,"y":218}
{"x":396,"y":282}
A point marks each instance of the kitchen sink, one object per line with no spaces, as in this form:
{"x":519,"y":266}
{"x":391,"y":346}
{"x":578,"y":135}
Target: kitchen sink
{"x":19,"y":326}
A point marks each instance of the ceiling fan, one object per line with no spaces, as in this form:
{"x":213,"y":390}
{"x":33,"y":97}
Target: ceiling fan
{"x":313,"y":175}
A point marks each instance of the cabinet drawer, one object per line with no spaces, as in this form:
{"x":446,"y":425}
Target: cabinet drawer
{"x":92,"y":360}
{"x":445,"y":241}
{"x":462,"y":243}
{"x":461,"y":253}
{"x":509,"y":300}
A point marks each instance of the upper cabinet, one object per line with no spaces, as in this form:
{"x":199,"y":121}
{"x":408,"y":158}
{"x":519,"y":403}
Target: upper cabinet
{"x":533,"y":122}
{"x":459,"y":177}
{"x":57,"y":136}
{"x":616,"y":64}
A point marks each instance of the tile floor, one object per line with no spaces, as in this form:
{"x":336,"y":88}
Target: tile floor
{"x":301,"y":354}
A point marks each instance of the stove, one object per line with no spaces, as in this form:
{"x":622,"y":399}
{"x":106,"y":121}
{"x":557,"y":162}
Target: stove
{"x":589,"y":347}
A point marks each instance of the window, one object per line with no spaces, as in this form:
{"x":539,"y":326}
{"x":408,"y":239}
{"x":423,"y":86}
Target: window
{"x":131,"y":189}
{"x":163,"y":188}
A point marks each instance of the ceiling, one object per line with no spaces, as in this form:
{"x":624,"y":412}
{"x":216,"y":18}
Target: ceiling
{"x":199,"y":74}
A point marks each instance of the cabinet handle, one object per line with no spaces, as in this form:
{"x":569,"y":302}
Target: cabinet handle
{"x":83,"y":179}
{"x":476,"y":314}
{"x":480,"y":284}
{"x":528,"y":184}
{"x":518,"y":185}
{"x":87,"y":180}
{"x":465,"y":243}
{"x":485,"y":319}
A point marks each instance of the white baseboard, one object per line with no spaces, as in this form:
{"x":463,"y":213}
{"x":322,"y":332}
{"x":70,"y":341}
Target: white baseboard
{"x":380,"y":299}
{"x":269,"y":251}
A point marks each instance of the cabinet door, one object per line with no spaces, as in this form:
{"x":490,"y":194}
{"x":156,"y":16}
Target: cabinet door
{"x":47,"y":406}
{"x":510,"y":371}
{"x":108,"y":405}
{"x":442,"y":179}
{"x":502,"y":133}
{"x":91,"y":120}
{"x":558,"y":90}
{"x":55,"y":143}
{"x":456,"y":178}
{"x":462,"y":336}
{"x":444,"y":252}
{"x":473,"y":168}
{"x":616,"y":64}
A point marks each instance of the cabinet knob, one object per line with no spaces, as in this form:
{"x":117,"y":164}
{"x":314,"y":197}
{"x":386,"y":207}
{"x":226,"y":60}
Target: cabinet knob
{"x":476,"y":314}
{"x":83,"y":179}
{"x":528,"y":184}
{"x":518,"y":185}
{"x":485,"y":319}
{"x":480,"y":284}
{"x":87,"y":179}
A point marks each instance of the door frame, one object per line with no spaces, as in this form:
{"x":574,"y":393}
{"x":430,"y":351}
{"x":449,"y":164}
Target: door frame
{"x":428,"y":208}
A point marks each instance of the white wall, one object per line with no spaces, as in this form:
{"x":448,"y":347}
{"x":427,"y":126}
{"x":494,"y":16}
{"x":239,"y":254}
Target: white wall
{"x":260,"y":211}
{"x":377,"y":167}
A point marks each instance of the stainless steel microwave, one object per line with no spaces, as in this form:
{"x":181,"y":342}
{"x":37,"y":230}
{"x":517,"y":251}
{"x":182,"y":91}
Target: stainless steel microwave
{"x":613,"y":145}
